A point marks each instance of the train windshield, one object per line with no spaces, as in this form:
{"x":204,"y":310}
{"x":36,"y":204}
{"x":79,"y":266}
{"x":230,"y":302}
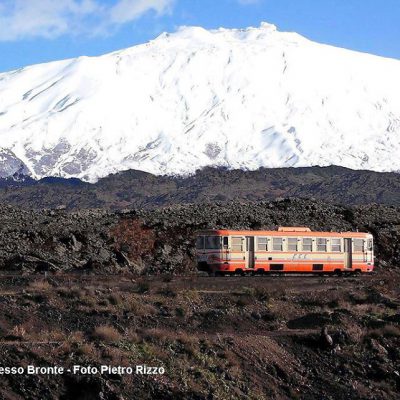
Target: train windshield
{"x":212,"y":242}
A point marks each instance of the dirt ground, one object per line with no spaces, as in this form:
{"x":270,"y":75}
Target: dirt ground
{"x":253,"y":337}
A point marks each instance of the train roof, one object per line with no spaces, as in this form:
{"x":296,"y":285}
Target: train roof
{"x":283,"y":231}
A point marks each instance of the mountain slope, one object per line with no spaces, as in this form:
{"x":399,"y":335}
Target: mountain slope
{"x":236,"y":98}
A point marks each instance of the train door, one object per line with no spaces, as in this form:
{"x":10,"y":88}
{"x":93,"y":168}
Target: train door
{"x":348,"y":255}
{"x":249,"y":252}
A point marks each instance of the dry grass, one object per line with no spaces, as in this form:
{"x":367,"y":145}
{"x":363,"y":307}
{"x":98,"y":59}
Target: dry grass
{"x":156,"y":335}
{"x":87,"y":349}
{"x":188,"y":342}
{"x":106,"y":333}
{"x":74,"y":292}
{"x":76,"y":337}
{"x":18,"y":331}
{"x":354,"y":332}
{"x":55,"y":335}
{"x":191,"y":295}
{"x":138,"y":308}
{"x":132,"y":336}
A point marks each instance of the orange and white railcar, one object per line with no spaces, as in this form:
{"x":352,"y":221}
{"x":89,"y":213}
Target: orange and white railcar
{"x":287,"y":250}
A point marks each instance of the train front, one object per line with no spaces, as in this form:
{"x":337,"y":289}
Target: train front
{"x":211,"y":252}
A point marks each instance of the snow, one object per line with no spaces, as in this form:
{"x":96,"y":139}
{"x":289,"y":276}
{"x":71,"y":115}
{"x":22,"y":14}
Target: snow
{"x":241,"y":98}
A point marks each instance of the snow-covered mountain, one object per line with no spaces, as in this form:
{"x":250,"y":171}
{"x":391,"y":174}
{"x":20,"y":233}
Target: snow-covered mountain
{"x":238,"y":98}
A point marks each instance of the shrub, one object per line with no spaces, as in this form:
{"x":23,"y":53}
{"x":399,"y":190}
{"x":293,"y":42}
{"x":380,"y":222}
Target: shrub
{"x":132,"y":237}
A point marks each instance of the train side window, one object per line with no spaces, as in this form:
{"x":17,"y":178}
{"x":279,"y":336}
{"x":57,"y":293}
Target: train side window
{"x":336,"y":245}
{"x":225,"y":242}
{"x":321,"y":244}
{"x":213,"y":242}
{"x":262,"y":244}
{"x":292,"y":244}
{"x":277,"y":244}
{"x":370,"y":246}
{"x":200,"y":243}
{"x":358,"y":245}
{"x":307,"y":244}
{"x":237,"y":244}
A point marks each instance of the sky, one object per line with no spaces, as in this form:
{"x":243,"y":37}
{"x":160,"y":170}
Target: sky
{"x":37,"y":31}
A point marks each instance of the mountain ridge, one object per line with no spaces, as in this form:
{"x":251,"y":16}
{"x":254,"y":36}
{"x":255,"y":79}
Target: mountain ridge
{"x":138,"y":189}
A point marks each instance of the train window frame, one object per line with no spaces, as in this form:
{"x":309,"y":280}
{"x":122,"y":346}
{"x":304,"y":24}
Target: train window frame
{"x":262,"y":246}
{"x":216,"y":244}
{"x":197,"y":242}
{"x":322,"y":247}
{"x":296,"y":243}
{"x":233,"y":244}
{"x":304,"y":245}
{"x":274,"y":244}
{"x":336,"y":247}
{"x":357,"y":248}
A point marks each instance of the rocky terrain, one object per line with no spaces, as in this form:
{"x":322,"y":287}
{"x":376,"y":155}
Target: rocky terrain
{"x":118,"y":287}
{"x":136,"y":189}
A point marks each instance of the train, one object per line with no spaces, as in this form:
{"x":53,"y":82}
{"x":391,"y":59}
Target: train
{"x":285,"y":250}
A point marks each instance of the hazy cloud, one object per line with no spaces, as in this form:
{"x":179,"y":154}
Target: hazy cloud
{"x":128,"y":10}
{"x":21,"y":19}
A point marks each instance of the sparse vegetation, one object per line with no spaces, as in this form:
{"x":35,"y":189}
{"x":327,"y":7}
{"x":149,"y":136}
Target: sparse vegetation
{"x":211,"y":337}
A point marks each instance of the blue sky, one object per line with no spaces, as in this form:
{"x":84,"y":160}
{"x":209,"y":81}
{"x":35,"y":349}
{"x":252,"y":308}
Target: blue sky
{"x":35,"y":31}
